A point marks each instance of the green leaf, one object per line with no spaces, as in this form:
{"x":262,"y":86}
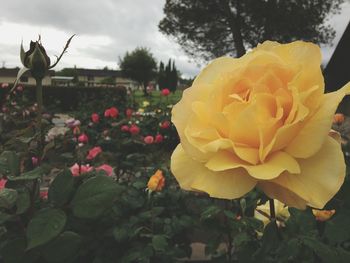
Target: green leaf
{"x":31,"y":175}
{"x":159,"y":243}
{"x":337,"y":230}
{"x":61,"y":188}
{"x":44,"y":226}
{"x":94,"y":196}
{"x":23,"y":201}
{"x":270,"y":238}
{"x":121,"y":233}
{"x":8,"y":198}
{"x":9,"y":163}
{"x":14,"y":250}
{"x":64,"y":248}
{"x":322,"y":250}
{"x":210,"y":212}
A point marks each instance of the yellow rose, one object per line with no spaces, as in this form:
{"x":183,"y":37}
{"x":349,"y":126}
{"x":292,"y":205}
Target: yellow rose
{"x":156,"y":182}
{"x":262,"y":212}
{"x":145,"y":103}
{"x":323,"y":215}
{"x":261,"y":120}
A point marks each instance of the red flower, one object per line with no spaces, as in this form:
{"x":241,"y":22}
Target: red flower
{"x":159,"y":138}
{"x":3,"y":183}
{"x":43,"y":194}
{"x":165,"y":125}
{"x":148,"y":139}
{"x":35,"y":161}
{"x":83,"y":138}
{"x":112,"y":112}
{"x":94,"y":152}
{"x":165,"y":92}
{"x":107,"y":168}
{"x":83,"y":169}
{"x":124,"y":128}
{"x":95,"y":118}
{"x":134,"y":129}
{"x":128,"y":113}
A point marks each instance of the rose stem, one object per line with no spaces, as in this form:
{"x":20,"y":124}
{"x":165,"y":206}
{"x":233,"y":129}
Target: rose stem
{"x":272,"y":210}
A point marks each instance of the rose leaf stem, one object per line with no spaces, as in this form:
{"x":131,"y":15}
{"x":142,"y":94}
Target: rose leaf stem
{"x":272,"y":210}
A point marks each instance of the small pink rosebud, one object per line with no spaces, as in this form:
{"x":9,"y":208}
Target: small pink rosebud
{"x":124,"y":128}
{"x":134,"y":129}
{"x":159,"y":138}
{"x":19,"y":88}
{"x":107,"y":168}
{"x":165,"y":92}
{"x":94,"y":152}
{"x":128,"y":113}
{"x":148,"y":139}
{"x":83,"y":138}
{"x":35,"y":161}
{"x":95,"y":118}
{"x":165,"y":125}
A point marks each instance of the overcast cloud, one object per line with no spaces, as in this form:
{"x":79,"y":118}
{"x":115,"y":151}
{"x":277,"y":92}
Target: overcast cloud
{"x":105,"y":30}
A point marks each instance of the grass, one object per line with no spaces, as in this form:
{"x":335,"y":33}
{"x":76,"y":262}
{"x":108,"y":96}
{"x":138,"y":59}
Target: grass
{"x":156,"y":97}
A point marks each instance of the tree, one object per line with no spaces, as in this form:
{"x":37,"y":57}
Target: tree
{"x":173,"y":78}
{"x":140,"y":66}
{"x":161,"y":76}
{"x":213,"y":28}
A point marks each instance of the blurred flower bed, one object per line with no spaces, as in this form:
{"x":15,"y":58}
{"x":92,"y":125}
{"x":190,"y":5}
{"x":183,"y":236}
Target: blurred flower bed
{"x":101,"y":191}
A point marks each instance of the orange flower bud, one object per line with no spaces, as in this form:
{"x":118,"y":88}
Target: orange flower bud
{"x":338,"y":118}
{"x":323,"y":215}
{"x":156,"y":182}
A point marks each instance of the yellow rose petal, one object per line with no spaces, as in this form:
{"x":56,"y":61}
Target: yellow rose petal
{"x":193,"y":175}
{"x":312,"y":135}
{"x":320,"y":178}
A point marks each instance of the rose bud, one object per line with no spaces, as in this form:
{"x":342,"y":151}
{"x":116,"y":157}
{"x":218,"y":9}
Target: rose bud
{"x":128,"y":113}
{"x":338,"y":118}
{"x":19,"y":88}
{"x":107,"y":168}
{"x":4,"y":85}
{"x":35,"y":161}
{"x":165,"y":92}
{"x":156,"y":182}
{"x":124,"y":128}
{"x":36,"y":60}
{"x":95,"y":118}
{"x":134,"y":129}
{"x":323,"y":215}
{"x":165,"y":125}
{"x":148,"y":139}
{"x":159,"y":138}
{"x":94,"y":152}
{"x":83,"y":138}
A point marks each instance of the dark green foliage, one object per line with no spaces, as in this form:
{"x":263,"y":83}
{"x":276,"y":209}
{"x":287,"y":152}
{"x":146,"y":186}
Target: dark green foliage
{"x":209,"y":29}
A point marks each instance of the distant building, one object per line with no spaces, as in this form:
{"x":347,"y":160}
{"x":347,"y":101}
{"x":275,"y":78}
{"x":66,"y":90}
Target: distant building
{"x":101,"y":78}
{"x":81,"y":77}
{"x":9,"y":75}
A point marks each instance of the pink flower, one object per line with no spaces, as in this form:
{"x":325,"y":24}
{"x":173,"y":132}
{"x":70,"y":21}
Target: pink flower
{"x":134,"y":129}
{"x":165,"y":92}
{"x":4,"y":85}
{"x":83,"y":138}
{"x":112,"y":112}
{"x":94,"y":152}
{"x":95,"y":118}
{"x":148,"y":139}
{"x":19,"y":88}
{"x":83,"y":169}
{"x":107,"y":168}
{"x":128,"y":113}
{"x":35,"y":161}
{"x":124,"y":128}
{"x":3,"y":183}
{"x":43,"y":194}
{"x":159,"y":138}
{"x":165,"y":125}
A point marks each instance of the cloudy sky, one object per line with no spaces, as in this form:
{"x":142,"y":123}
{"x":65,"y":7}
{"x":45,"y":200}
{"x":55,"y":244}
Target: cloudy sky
{"x":105,"y":30}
